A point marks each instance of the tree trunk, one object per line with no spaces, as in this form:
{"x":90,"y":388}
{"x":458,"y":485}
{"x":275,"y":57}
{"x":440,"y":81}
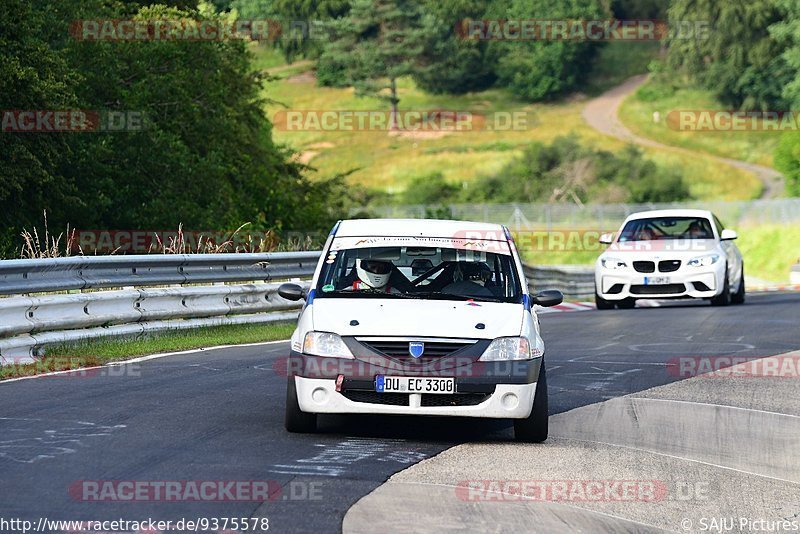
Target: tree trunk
{"x":394,"y":101}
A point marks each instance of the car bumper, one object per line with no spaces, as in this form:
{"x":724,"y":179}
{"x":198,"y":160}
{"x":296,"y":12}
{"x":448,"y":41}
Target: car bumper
{"x":319,"y":395}
{"x":685,"y":283}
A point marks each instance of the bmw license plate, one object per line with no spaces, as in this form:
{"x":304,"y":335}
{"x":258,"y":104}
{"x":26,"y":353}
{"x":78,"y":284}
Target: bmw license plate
{"x":408,"y":384}
{"x":656,"y":280}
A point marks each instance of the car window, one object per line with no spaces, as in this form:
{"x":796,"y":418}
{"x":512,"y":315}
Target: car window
{"x":419,"y":272}
{"x":651,"y":229}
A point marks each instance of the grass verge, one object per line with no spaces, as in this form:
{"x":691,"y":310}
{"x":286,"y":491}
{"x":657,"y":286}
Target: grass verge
{"x":390,"y":162}
{"x":637,"y":114}
{"x":101,"y":351}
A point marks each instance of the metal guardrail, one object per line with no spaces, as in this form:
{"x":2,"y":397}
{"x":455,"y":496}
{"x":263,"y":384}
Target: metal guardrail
{"x":576,"y":282}
{"x":31,"y":320}
{"x":97,"y":272}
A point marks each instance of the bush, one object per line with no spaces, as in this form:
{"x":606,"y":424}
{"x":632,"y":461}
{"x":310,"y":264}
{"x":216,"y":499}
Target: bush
{"x":430,"y":189}
{"x":567,"y":171}
{"x":787,"y":160}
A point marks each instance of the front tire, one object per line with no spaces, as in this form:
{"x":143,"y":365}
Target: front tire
{"x":296,"y":420}
{"x":724,"y":298}
{"x":738,"y":297}
{"x":601,"y":303}
{"x":533,"y":429}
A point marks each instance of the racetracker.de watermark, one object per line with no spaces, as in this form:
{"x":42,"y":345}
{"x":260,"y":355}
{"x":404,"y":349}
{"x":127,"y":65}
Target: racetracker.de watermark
{"x":71,"y":121}
{"x":406,"y":120}
{"x":708,"y":120}
{"x":597,"y":30}
{"x":194,"y":491}
{"x":175,"y":30}
{"x":782,"y":366}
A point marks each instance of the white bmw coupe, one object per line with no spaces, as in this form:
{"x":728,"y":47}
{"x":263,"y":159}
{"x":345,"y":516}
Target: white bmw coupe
{"x":668,"y":254}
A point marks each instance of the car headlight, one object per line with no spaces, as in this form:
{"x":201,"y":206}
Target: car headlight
{"x":703,"y":261}
{"x":506,"y":349}
{"x":325,"y":344}
{"x":613,"y":263}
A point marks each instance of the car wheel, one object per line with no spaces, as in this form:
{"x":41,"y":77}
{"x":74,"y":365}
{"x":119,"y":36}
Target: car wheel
{"x":626,"y":304}
{"x":601,"y":303}
{"x":297,"y":420}
{"x":738,"y":297}
{"x":533,"y":429}
{"x":724,"y":298}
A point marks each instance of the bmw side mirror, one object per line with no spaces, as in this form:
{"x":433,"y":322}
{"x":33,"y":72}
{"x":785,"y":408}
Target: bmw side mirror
{"x":548,"y":297}
{"x":606,"y":239}
{"x":728,"y":235}
{"x":291,"y":291}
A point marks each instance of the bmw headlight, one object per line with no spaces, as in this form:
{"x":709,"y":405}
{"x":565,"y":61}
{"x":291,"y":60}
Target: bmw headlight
{"x":613,"y":263}
{"x":505,"y":349}
{"x":703,"y":261}
{"x":325,"y":344}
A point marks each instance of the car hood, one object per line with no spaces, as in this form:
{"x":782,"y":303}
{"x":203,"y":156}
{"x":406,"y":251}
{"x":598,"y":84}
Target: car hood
{"x":419,"y":318}
{"x":662,"y":250}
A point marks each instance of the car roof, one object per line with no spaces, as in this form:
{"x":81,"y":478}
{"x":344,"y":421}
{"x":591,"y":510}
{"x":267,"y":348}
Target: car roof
{"x":669,"y":213}
{"x":421,"y":228}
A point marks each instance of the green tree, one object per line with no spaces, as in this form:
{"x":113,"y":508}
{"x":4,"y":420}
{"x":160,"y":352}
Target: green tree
{"x":455,"y":65}
{"x":378,"y":42}
{"x":205,"y":157}
{"x":540,"y":70}
{"x":736,"y":58}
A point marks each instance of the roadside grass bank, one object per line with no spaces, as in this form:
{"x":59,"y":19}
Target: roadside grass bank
{"x":101,"y":351}
{"x":389,"y":162}
{"x":637,"y":111}
{"x":769,"y":251}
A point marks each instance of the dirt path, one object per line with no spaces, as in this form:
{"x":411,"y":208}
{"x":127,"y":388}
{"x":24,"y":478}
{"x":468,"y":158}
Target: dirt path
{"x":601,"y":114}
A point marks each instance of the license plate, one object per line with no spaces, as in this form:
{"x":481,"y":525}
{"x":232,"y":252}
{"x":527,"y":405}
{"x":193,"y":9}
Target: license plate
{"x":408,"y":384}
{"x":656,"y":280}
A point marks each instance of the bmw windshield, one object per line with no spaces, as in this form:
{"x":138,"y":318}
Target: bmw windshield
{"x":652,"y":229}
{"x":424,"y":272}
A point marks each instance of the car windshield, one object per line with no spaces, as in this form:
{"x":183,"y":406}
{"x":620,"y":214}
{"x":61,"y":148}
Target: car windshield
{"x":656,"y":228}
{"x":419,"y":272}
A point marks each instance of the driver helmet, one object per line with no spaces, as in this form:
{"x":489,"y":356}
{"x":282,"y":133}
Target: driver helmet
{"x":374,"y":273}
{"x":477,"y":272}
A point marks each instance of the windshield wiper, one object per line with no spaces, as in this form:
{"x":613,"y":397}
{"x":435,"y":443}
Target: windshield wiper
{"x":455,"y":296}
{"x":368,"y":293}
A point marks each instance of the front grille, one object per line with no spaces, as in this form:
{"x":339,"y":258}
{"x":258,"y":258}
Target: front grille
{"x":644,"y":266}
{"x":666,"y":289}
{"x":669,"y":266}
{"x":458,"y":399}
{"x":428,"y":401}
{"x":399,"y":349}
{"x":373,"y":397}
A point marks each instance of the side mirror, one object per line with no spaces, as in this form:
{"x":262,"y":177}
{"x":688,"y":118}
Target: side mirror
{"x":292,"y":291}
{"x":548,"y":297}
{"x":606,"y":239}
{"x":728,"y":235}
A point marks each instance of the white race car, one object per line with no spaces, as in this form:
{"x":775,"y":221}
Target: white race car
{"x":419,"y":317}
{"x":668,"y":254}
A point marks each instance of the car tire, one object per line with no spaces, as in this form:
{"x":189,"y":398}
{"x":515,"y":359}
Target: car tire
{"x":601,"y":303}
{"x":297,"y":421}
{"x":724,"y":298}
{"x":738,"y":297}
{"x":626,"y":304}
{"x":533,"y":429}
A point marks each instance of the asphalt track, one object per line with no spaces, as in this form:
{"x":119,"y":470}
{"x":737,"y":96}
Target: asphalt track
{"x":216,"y":415}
